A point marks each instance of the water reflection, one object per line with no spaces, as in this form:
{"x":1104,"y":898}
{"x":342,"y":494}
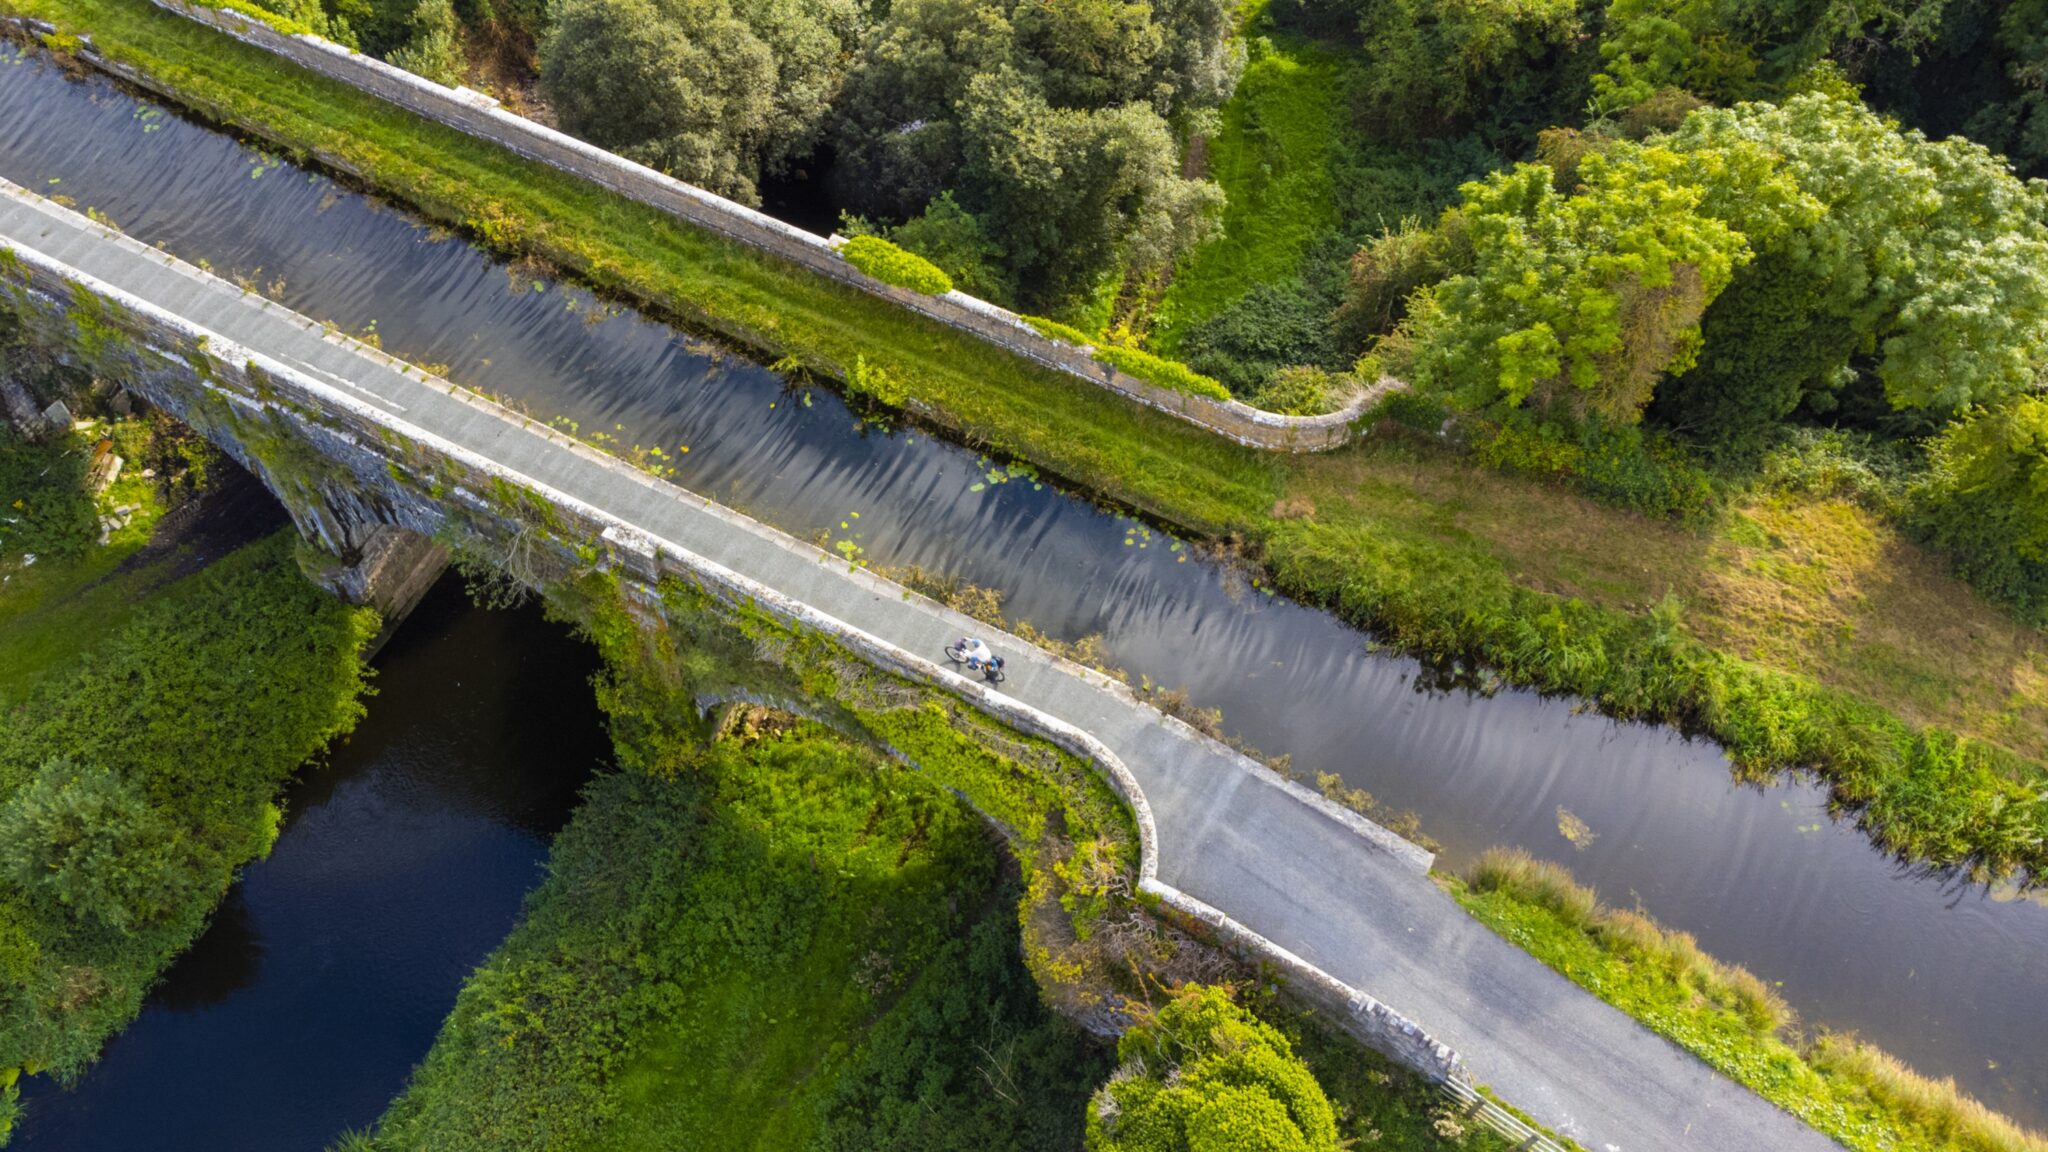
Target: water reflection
{"x":1943,"y":975}
{"x":325,"y":975}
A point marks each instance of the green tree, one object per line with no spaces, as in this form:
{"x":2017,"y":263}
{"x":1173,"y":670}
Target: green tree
{"x":1985,"y":501}
{"x":1574,"y":305}
{"x":1066,"y":193}
{"x":710,"y":91}
{"x":1434,"y":66}
{"x":895,"y":138}
{"x":1914,"y":269}
{"x":1203,"y":1075}
{"x":91,"y":842}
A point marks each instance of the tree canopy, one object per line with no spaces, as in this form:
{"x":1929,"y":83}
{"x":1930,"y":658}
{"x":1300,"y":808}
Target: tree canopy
{"x":1204,"y":1075}
{"x":710,"y":91}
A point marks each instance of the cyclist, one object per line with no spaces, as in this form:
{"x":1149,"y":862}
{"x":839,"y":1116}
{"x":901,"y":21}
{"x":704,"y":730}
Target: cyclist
{"x":975,"y":653}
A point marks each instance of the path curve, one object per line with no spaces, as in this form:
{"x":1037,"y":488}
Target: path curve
{"x":1322,"y":885}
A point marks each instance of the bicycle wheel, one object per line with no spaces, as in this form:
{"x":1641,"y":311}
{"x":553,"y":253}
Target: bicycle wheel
{"x":997,"y":676}
{"x":957,"y":653}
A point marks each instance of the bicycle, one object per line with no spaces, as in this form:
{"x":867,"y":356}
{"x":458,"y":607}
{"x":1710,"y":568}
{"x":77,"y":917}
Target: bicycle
{"x":957,"y":652}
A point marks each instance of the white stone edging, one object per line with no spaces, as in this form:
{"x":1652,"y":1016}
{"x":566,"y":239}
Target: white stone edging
{"x":481,"y":116}
{"x":1399,"y":1038}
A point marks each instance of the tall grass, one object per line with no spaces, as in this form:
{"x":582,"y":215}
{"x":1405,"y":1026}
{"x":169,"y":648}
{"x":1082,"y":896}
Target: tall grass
{"x":1728,"y":1016}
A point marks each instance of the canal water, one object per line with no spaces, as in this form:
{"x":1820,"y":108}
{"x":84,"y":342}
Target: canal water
{"x":1947,"y":975}
{"x":325,"y":975}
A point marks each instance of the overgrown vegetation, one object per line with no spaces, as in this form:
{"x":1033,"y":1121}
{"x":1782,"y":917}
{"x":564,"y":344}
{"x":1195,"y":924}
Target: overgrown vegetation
{"x":139,"y":773}
{"x":1800,"y":629}
{"x":1202,"y":1073}
{"x":892,"y":265}
{"x":789,"y":943}
{"x":1727,"y":1016}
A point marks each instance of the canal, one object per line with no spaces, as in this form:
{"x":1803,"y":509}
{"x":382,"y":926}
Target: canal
{"x":1945,"y":974}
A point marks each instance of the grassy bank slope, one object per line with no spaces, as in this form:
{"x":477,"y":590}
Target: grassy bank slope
{"x":1728,"y":1017}
{"x":139,"y":770}
{"x":791,"y":944}
{"x":1798,"y":630}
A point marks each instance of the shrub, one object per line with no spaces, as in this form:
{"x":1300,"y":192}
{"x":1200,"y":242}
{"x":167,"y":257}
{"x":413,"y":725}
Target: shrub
{"x":1301,"y":390}
{"x":1205,"y":1074}
{"x":1263,"y":330}
{"x":1054,"y":330}
{"x":89,"y":841}
{"x":1985,"y":502}
{"x":892,"y":265}
{"x":1161,"y":371}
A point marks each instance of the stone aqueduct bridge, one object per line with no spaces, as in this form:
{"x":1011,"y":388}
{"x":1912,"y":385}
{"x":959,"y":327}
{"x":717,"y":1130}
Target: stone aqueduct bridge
{"x":369,"y":452}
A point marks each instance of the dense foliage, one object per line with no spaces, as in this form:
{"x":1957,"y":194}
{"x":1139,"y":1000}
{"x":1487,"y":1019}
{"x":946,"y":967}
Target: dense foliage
{"x":1203,"y":1075}
{"x":892,"y":265}
{"x":789,"y":944}
{"x":137,"y":778}
{"x":1475,"y":569}
{"x":1984,"y":501}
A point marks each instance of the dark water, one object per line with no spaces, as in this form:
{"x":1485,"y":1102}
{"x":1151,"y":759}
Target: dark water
{"x":328,"y":970}
{"x":1949,"y":977}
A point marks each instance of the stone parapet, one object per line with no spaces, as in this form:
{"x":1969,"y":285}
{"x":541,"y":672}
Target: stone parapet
{"x":481,"y":116}
{"x":353,"y":473}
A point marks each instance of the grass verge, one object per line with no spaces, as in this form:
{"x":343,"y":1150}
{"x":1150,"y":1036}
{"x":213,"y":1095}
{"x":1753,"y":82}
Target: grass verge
{"x":1728,"y":1017}
{"x":1920,"y":704}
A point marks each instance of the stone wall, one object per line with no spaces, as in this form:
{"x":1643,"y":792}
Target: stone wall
{"x":349,"y":472}
{"x":479,"y":115}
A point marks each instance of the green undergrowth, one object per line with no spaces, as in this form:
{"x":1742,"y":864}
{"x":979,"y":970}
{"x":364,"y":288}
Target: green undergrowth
{"x":1134,"y":361}
{"x":1366,"y":533}
{"x":1274,"y":155}
{"x":139,"y":771}
{"x":892,"y":265}
{"x":50,"y":513}
{"x":789,"y":943}
{"x":1728,"y":1017}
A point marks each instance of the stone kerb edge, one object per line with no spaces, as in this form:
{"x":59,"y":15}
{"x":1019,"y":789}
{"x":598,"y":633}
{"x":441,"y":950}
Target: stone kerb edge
{"x":1232,"y":419}
{"x":1379,"y":1025}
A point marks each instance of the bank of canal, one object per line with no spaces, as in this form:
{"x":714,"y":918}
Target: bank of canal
{"x":1942,"y":973}
{"x":403,"y":861}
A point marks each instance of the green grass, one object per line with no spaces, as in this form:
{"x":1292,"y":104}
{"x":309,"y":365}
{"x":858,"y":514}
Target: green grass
{"x":791,"y":944}
{"x":70,"y":595}
{"x":202,"y":699}
{"x":1728,"y":1017}
{"x":1440,"y":558}
{"x":1274,"y":158}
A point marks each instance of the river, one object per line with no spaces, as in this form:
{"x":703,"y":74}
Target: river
{"x":403,"y":860}
{"x":1947,"y":975}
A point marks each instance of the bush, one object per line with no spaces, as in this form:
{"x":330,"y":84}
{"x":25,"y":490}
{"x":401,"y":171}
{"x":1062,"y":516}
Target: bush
{"x":892,"y":265}
{"x":1620,"y":464}
{"x":1985,"y":502}
{"x":88,"y":842}
{"x":1302,"y":390}
{"x":1054,"y":330}
{"x":1158,"y":370}
{"x":1265,"y":329}
{"x":1203,"y":1074}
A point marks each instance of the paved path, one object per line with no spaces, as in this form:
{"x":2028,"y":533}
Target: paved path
{"x":1229,"y":834}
